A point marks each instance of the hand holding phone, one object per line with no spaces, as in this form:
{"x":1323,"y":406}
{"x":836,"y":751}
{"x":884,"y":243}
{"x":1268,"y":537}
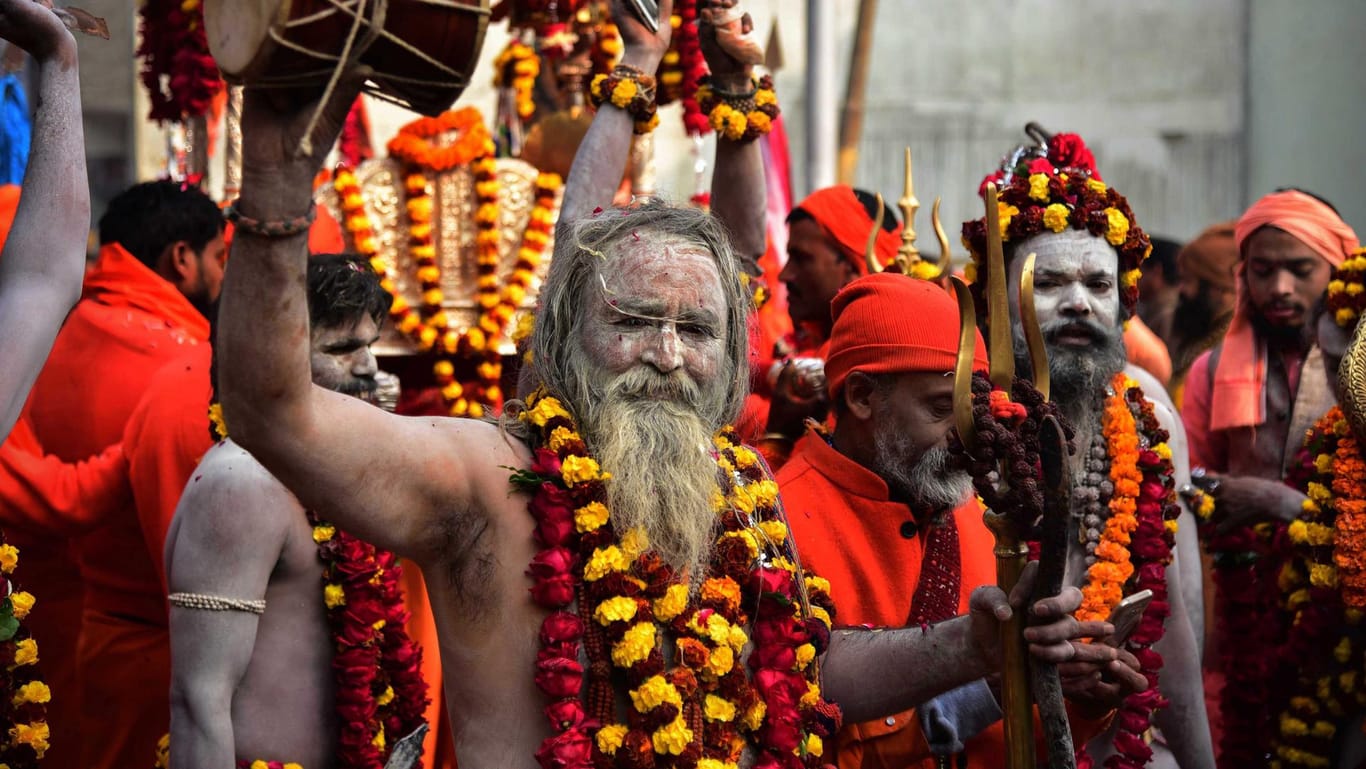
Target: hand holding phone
{"x":1126,"y":616}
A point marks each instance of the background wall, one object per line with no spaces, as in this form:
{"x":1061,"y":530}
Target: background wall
{"x":1192,"y":109}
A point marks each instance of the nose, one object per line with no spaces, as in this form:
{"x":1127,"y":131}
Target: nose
{"x":1075,"y":302}
{"x":365,"y":364}
{"x":787,"y":274}
{"x":663,"y":351}
{"x":1284,"y":283}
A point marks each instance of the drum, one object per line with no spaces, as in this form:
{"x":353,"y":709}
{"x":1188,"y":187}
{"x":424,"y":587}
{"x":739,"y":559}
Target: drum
{"x":422,"y":51}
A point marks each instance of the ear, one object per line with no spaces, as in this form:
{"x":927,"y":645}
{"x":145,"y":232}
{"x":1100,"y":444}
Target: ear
{"x":858,"y":393}
{"x":180,"y":261}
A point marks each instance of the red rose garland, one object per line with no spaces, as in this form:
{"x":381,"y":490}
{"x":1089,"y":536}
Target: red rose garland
{"x":177,"y":68}
{"x":698,"y":712}
{"x":683,"y":67}
{"x":381,"y":695}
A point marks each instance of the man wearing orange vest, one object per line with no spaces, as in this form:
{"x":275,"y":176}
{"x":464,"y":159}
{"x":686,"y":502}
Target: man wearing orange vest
{"x":160,"y":265}
{"x":877,"y":508}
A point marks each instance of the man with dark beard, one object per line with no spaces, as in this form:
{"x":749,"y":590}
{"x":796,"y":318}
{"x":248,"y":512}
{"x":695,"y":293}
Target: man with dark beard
{"x":534,"y":561}
{"x":1088,"y":251}
{"x":877,"y":508}
{"x":258,"y":672}
{"x":1249,"y":401}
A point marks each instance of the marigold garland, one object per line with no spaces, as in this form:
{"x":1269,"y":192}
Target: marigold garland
{"x":517,"y":68}
{"x":472,"y":388}
{"x":740,"y":117}
{"x":1145,"y":487}
{"x":704,"y":709}
{"x":1317,"y":666}
{"x":177,"y":68}
{"x":365,"y":611}
{"x":1347,"y":289}
{"x":24,"y":734}
{"x":629,"y":90}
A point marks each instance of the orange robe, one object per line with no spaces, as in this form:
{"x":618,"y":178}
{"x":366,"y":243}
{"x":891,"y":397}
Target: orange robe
{"x":1146,"y":350}
{"x":848,"y":531}
{"x":44,"y":500}
{"x":129,"y":323}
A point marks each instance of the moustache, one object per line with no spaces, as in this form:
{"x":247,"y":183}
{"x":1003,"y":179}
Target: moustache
{"x":1086,"y":328}
{"x":364,"y":388}
{"x":648,"y":384}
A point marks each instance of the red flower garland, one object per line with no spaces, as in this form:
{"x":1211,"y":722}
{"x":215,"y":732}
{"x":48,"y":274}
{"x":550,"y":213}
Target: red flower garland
{"x":694,"y":713}
{"x":683,"y":67}
{"x":1151,"y":550}
{"x":381,"y":695}
{"x":177,"y":69}
{"x":24,"y":734}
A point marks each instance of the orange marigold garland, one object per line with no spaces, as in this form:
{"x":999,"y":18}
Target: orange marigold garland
{"x":1106,"y":578}
{"x":24,"y":734}
{"x":701,"y":707}
{"x":473,"y":386}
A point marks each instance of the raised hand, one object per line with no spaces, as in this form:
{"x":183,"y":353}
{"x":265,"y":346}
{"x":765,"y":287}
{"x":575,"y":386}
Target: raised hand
{"x":34,"y":27}
{"x":643,"y":48}
{"x":726,"y":38}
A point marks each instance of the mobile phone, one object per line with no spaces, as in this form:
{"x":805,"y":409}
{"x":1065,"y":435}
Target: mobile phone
{"x":1126,"y":615}
{"x":648,"y":12}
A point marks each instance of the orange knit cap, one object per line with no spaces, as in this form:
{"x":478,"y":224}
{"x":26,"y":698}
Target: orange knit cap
{"x":893,"y":324}
{"x":840,"y":215}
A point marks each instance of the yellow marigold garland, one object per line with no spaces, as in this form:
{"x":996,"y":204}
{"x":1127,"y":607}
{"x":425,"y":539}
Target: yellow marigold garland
{"x":740,"y":117}
{"x":24,"y":733}
{"x":1347,"y":289}
{"x":517,"y":68}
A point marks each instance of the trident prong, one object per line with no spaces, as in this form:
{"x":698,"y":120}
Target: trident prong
{"x":870,"y":251}
{"x":1000,"y":349}
{"x":945,"y":255}
{"x":1029,"y":318}
{"x":908,"y":254}
{"x":962,"y":373}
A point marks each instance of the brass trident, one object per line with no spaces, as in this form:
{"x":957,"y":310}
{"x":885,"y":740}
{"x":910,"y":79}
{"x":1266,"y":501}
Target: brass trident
{"x":907,"y":256}
{"x":1011,"y":551}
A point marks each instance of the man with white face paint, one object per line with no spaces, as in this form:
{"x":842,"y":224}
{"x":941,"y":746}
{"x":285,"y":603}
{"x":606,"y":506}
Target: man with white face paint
{"x":1129,"y":442}
{"x":877,"y":507}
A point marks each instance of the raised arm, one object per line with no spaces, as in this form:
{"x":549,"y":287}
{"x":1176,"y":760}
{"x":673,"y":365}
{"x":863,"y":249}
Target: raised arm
{"x":227,"y":538}
{"x":739,"y":192}
{"x":44,"y":259}
{"x":382,"y":477}
{"x":601,"y":159}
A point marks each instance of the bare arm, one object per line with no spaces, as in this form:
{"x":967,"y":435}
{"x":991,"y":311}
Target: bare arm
{"x":44,"y":258}
{"x":601,"y":158}
{"x":227,"y":539}
{"x":387,"y":479}
{"x":739,"y":195}
{"x":874,"y":673}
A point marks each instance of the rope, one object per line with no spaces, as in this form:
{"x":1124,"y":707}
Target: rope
{"x":215,"y":603}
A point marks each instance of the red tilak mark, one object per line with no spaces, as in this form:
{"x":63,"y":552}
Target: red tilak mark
{"x":597,"y":210}
{"x":635,"y":235}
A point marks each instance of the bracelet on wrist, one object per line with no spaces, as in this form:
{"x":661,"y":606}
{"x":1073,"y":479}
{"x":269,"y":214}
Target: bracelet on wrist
{"x":629,"y":90}
{"x":739,"y":116}
{"x":275,"y":228}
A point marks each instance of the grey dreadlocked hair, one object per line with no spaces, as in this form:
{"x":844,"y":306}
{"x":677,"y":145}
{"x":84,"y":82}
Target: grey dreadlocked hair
{"x":584,"y":248}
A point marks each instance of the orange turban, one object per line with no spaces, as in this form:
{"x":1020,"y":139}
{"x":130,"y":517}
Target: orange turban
{"x":894,"y":324}
{"x":1240,"y":379}
{"x":841,"y":216}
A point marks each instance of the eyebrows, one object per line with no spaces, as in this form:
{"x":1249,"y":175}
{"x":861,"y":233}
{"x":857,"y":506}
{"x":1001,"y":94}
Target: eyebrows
{"x":1062,"y":276}
{"x":654,"y":309}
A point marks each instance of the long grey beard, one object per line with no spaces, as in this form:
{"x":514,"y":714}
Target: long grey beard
{"x":663,"y":474}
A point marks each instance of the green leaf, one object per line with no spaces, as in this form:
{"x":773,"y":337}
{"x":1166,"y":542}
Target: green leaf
{"x":8,"y":624}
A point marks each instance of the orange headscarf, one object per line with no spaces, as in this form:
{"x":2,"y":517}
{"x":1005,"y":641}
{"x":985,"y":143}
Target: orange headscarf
{"x":9,"y":205}
{"x":841,"y":216}
{"x":1240,"y":380}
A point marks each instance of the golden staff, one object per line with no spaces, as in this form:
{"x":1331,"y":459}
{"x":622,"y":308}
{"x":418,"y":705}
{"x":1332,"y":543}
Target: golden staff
{"x":1011,"y":552}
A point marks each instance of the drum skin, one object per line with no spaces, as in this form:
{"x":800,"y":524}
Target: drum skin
{"x":449,"y":31}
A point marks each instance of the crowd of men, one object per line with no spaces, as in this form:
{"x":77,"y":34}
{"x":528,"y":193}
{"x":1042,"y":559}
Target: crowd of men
{"x":240,"y":560}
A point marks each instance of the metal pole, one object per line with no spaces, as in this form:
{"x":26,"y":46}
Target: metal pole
{"x":851,"y":121}
{"x":822,"y":119}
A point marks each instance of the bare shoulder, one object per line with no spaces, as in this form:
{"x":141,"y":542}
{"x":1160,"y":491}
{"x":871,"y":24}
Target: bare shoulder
{"x":231,"y":500}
